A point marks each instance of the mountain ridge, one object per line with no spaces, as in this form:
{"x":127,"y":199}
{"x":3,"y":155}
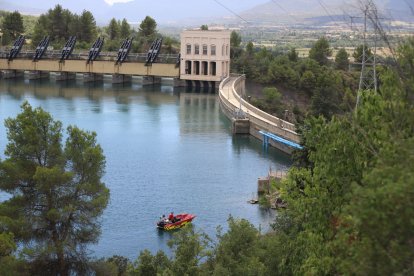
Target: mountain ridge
{"x":277,"y":11}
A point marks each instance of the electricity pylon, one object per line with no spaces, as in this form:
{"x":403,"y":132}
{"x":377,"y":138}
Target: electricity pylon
{"x":368,"y":76}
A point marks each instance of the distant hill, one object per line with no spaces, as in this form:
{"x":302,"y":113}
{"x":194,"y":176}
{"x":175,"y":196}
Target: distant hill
{"x":399,"y":10}
{"x":23,"y":9}
{"x":323,"y":12}
{"x":163,"y":11}
{"x":186,"y":13}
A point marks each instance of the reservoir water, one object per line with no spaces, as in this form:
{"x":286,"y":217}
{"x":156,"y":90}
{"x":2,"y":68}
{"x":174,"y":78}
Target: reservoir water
{"x":166,"y":150}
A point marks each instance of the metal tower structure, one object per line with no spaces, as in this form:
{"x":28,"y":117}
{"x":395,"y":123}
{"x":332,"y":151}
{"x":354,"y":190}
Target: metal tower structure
{"x":368,"y":76}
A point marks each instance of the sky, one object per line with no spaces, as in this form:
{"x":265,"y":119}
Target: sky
{"x":135,"y":10}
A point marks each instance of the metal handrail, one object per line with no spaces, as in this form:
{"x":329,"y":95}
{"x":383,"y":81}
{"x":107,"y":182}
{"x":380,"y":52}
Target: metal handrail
{"x":268,"y":125}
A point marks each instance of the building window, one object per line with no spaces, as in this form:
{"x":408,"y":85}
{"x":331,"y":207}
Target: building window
{"x":213,"y":69}
{"x":213,"y":50}
{"x":227,"y":50}
{"x":222,"y":50}
{"x":204,"y":68}
{"x":196,"y":68}
{"x":188,"y":67}
{"x":188,"y":49}
{"x":204,"y":49}
{"x":196,"y":49}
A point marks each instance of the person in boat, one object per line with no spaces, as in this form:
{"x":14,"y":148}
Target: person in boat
{"x":163,"y":221}
{"x":171,"y":217}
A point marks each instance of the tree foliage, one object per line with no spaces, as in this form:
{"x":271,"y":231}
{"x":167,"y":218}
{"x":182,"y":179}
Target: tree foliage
{"x":349,"y":211}
{"x":235,"y":39}
{"x":60,"y":24}
{"x":171,"y":45}
{"x":249,"y":48}
{"x":320,"y":51}
{"x":293,"y":55}
{"x":148,"y":27}
{"x":342,"y":60}
{"x":359,"y":52}
{"x":57,"y":193}
{"x":87,"y":27}
{"x":113,"y":29}
{"x":12,"y":27}
{"x":9,"y":264}
{"x":125,"y":29}
{"x":237,"y":249}
{"x":325,"y":89}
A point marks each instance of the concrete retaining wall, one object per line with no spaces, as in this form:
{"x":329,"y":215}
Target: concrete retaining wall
{"x":271,"y":124}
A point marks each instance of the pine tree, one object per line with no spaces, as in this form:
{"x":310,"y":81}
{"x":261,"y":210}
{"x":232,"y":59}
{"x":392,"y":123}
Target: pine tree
{"x":148,"y":27}
{"x":235,"y":39}
{"x":113,"y":29}
{"x":88,"y":26}
{"x":12,"y":27}
{"x":341,"y":60}
{"x":293,"y":55}
{"x":57,"y":193}
{"x":358,"y":53}
{"x":320,"y":51}
{"x":125,"y":29}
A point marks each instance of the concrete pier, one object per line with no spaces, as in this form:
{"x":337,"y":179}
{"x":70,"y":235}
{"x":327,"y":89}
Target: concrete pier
{"x":263,"y":183}
{"x":64,"y":76}
{"x":150,"y":80}
{"x":92,"y":77}
{"x":37,"y":75}
{"x":11,"y":74}
{"x":241,"y":126}
{"x":118,"y":78}
{"x":179,"y":83}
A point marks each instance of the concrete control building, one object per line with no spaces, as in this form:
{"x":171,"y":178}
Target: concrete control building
{"x":205,"y":56}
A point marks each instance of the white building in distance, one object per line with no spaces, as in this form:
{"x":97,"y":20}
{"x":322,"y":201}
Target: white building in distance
{"x":205,"y":55}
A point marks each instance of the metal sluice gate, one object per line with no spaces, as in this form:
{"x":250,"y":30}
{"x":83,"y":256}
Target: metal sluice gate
{"x":153,"y":51}
{"x":95,"y":50}
{"x":41,"y":48}
{"x":17,"y":46}
{"x":124,"y":50}
{"x":68,"y":48}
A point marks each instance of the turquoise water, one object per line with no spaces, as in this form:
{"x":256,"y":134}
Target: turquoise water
{"x":166,"y":150}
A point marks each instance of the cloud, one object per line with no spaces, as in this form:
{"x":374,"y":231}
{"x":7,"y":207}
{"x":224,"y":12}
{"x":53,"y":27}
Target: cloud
{"x":111,"y":2}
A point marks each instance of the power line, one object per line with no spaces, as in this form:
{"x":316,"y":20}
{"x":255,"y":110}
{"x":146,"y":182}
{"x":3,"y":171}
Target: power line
{"x":326,"y":11}
{"x":283,"y":9}
{"x":352,"y":27}
{"x":231,"y":11}
{"x":409,"y":6}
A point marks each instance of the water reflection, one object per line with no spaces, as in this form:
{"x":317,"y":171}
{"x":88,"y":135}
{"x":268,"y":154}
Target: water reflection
{"x":199,"y":108}
{"x":242,"y":143}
